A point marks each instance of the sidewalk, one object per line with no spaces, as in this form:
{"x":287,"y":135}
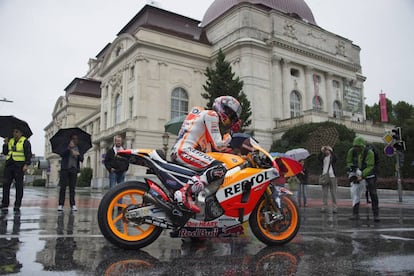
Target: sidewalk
{"x":387,"y":198}
{"x":90,"y":198}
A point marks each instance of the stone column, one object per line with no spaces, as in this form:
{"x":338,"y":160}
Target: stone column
{"x":309,"y":86}
{"x":329,"y":93}
{"x":277,"y":88}
{"x":285,"y":89}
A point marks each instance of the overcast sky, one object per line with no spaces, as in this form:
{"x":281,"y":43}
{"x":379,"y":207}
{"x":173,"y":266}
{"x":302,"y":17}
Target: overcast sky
{"x":45,"y":44}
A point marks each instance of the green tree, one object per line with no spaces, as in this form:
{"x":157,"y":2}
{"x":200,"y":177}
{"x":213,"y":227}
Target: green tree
{"x":403,"y":112}
{"x":221,"y":81}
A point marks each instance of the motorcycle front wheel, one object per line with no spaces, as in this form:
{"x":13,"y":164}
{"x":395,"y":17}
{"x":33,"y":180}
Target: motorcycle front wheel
{"x":113,"y":224}
{"x":275,"y":227}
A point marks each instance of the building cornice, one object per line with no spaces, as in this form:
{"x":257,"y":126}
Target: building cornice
{"x":275,"y":42}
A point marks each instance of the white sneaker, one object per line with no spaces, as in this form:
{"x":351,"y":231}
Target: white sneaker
{"x":60,"y":208}
{"x":74,"y":209}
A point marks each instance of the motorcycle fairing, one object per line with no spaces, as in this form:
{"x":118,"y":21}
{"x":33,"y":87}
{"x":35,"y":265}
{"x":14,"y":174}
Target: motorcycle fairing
{"x":240,"y":191}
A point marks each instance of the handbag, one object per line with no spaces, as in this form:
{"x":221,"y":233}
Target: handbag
{"x":324,"y":179}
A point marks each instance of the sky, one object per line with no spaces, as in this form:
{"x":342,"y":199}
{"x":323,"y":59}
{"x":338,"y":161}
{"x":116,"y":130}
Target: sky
{"x":45,"y":44}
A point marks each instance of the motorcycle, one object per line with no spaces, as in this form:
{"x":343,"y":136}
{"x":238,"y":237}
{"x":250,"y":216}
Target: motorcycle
{"x":133,"y":214}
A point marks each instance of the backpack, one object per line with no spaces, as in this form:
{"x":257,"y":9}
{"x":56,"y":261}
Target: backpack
{"x":364,"y":155}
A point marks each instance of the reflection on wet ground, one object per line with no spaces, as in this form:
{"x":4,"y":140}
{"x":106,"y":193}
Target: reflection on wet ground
{"x":40,"y":241}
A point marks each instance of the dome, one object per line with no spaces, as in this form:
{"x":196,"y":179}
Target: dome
{"x":296,"y":8}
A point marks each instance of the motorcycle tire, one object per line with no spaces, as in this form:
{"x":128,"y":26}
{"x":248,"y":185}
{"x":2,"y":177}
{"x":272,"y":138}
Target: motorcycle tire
{"x":278,"y":232}
{"x":115,"y":227}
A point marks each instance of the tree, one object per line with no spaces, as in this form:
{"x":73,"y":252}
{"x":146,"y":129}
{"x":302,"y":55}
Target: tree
{"x":403,"y":111}
{"x":221,"y":81}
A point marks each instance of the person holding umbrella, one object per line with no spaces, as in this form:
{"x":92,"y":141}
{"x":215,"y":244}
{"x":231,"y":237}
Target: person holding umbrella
{"x":18,"y":154}
{"x":71,"y":144}
{"x":71,"y":157}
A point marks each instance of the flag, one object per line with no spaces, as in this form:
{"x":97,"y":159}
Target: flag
{"x":383,"y":107}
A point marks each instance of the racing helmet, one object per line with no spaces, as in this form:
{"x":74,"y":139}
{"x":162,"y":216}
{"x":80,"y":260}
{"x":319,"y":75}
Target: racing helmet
{"x":228,"y":109}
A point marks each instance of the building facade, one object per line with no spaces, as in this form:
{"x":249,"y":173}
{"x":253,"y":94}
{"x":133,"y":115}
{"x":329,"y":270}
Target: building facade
{"x":294,"y":72}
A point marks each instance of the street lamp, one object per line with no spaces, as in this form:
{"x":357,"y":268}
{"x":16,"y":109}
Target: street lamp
{"x":165,"y":138}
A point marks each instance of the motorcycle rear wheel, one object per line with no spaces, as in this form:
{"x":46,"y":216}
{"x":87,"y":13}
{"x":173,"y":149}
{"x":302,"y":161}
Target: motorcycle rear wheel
{"x":115,"y":227}
{"x":281,"y":231}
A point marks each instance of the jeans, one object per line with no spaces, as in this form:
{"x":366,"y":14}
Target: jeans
{"x":331,"y":186}
{"x":372,"y":189}
{"x":13,"y":172}
{"x":67,"y":178}
{"x":116,"y":178}
{"x":302,"y":193}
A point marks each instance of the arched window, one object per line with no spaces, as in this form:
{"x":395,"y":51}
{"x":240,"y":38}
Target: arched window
{"x":295,"y":104}
{"x":118,"y":108}
{"x":337,"y":110}
{"x":179,"y":102}
{"x":317,"y":103}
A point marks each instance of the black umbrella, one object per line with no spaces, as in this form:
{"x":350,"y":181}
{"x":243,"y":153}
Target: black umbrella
{"x":8,"y":123}
{"x":61,"y":139}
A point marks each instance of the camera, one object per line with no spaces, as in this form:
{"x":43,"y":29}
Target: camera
{"x":353,"y":173}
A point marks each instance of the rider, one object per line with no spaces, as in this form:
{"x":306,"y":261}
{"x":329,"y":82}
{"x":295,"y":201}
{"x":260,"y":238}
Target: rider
{"x":200,"y":133}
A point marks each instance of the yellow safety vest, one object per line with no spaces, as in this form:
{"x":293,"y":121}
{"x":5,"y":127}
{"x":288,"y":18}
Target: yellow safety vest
{"x":18,"y":153}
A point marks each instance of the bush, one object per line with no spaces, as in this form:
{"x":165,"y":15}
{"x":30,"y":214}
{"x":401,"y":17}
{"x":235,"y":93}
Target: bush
{"x":39,"y":183}
{"x":85,"y":177}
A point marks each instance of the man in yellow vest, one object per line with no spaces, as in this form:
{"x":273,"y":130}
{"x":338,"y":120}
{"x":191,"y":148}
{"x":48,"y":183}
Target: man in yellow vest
{"x":18,"y":154}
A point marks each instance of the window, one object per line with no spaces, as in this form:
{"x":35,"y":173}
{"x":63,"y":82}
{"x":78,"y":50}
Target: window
{"x":132,"y":72}
{"x":335,"y":84}
{"x":337,"y":110}
{"x":131,"y":107}
{"x":118,"y":108}
{"x":179,"y":102}
{"x":118,"y":51}
{"x":294,"y":72}
{"x":295,"y":104}
{"x":317,"y":103}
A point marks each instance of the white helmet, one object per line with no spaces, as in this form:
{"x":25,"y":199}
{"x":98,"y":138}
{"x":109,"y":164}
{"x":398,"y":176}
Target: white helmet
{"x":228,"y":109}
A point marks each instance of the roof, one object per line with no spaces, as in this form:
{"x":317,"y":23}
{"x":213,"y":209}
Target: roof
{"x":165,"y":21}
{"x":295,"y":8}
{"x":84,"y":87}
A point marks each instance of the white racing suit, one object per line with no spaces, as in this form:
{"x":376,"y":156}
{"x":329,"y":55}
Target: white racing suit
{"x":200,"y":133}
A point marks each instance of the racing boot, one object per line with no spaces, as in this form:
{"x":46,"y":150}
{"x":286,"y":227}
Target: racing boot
{"x":184,"y":195}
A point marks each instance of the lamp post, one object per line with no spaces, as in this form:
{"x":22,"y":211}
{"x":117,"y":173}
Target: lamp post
{"x":165,"y":138}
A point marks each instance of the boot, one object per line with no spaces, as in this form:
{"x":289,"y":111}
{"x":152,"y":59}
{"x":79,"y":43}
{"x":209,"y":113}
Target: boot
{"x":355,"y":212}
{"x":184,"y":195}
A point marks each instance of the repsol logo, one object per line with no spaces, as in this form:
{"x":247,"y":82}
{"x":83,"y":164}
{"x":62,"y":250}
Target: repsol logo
{"x":238,"y":187}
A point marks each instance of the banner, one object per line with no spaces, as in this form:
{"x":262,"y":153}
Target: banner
{"x":383,"y":107}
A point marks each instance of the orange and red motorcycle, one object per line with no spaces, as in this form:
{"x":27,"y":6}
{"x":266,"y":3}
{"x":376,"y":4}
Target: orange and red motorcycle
{"x":133,"y":214}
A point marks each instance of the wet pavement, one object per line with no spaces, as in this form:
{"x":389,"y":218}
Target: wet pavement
{"x":40,"y":241}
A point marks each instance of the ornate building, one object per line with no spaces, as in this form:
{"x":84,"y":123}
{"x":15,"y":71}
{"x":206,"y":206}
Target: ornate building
{"x":294,"y":72}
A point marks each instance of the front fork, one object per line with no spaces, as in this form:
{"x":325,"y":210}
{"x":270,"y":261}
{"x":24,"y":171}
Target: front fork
{"x":274,"y":194}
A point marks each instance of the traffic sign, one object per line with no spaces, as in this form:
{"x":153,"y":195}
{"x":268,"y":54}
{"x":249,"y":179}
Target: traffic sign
{"x":387,"y":138}
{"x":389,"y":150}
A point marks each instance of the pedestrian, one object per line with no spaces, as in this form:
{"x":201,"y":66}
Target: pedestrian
{"x":303,"y":178}
{"x":360,"y":160}
{"x":116,"y":165}
{"x":328,"y":161}
{"x":69,"y":169}
{"x":18,"y":152}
